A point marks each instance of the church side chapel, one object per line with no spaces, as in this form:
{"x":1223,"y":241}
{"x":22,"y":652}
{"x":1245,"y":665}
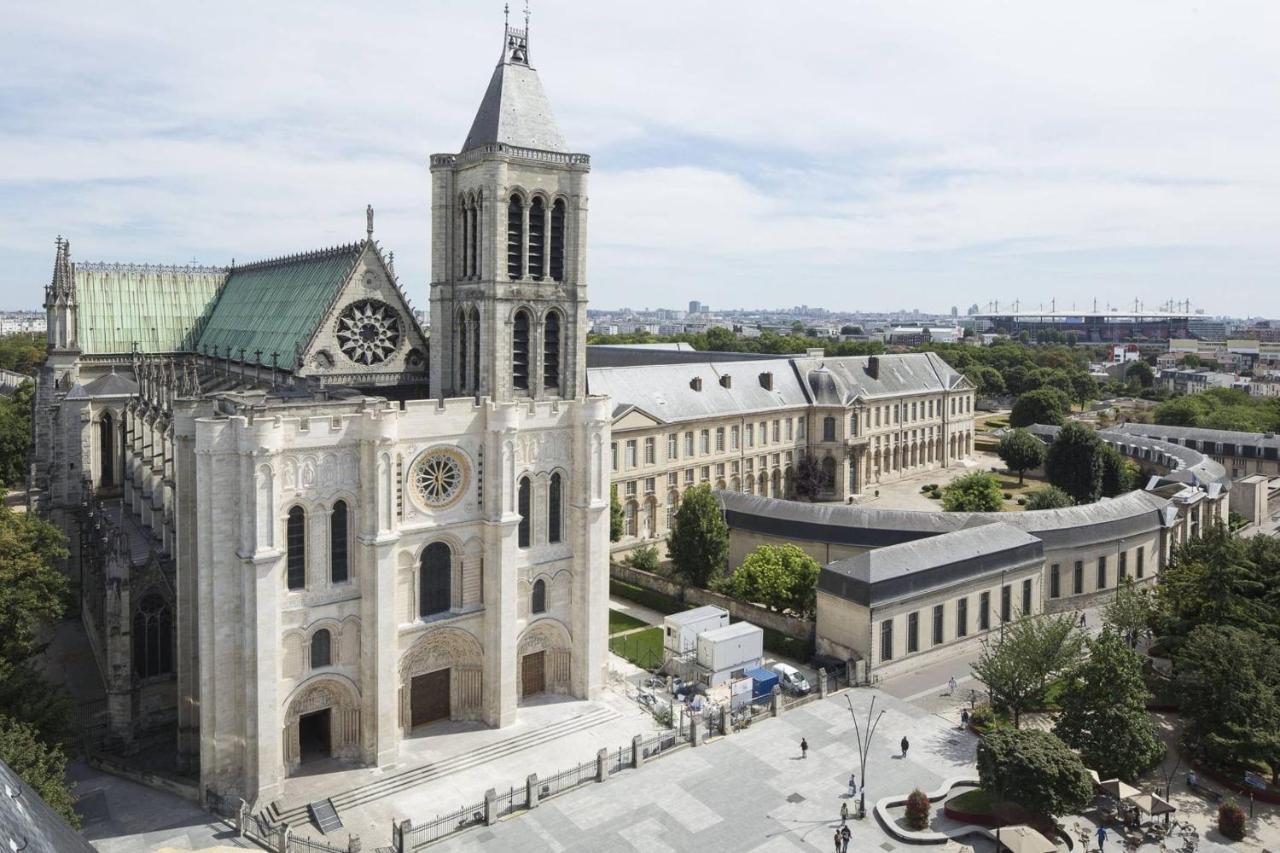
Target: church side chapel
{"x":302,"y":531}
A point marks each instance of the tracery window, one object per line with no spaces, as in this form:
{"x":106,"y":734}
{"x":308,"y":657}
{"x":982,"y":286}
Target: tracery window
{"x":152,"y":637}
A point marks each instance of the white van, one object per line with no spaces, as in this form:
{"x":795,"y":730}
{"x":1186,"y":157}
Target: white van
{"x":790,"y":679}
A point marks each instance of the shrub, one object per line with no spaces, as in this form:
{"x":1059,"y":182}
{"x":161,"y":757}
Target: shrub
{"x":982,"y":717}
{"x":1231,"y":820}
{"x":917,"y":810}
{"x":1022,"y":501}
{"x":976,"y":492}
{"x":645,"y":559}
{"x":1008,"y":496}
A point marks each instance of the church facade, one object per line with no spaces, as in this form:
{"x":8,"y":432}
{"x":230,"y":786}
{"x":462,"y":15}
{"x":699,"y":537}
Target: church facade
{"x":299,"y":534}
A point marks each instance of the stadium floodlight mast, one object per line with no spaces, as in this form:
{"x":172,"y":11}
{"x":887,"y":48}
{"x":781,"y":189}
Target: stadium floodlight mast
{"x":864,"y":748}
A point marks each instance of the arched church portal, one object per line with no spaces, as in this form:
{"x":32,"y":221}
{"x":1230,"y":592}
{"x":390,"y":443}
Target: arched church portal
{"x":323,"y":721}
{"x":544,"y":655}
{"x":441,"y":678}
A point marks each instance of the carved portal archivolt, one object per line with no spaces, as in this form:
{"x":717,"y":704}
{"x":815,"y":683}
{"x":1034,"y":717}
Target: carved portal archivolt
{"x":342,"y":700}
{"x":457,"y":651}
{"x":552,"y":639}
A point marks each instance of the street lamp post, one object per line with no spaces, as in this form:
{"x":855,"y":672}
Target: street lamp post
{"x":864,"y":747}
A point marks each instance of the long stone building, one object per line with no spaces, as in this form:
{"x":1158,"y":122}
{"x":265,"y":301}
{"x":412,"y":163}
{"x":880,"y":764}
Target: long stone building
{"x":297,"y":534}
{"x":746,"y":424}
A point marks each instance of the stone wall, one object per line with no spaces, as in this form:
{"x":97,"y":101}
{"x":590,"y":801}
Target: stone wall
{"x":800,"y":629}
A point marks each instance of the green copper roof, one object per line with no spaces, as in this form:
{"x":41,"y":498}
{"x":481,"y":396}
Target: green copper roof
{"x":275,"y":306}
{"x":158,"y":308}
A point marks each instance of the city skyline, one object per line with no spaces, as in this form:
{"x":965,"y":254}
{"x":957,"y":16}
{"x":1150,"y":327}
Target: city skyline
{"x":873,"y":157}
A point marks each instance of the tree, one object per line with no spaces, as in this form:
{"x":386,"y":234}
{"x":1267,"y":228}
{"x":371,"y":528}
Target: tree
{"x":1042,"y":406}
{"x":1049,"y":497}
{"x":781,"y":577}
{"x":1181,"y":411}
{"x":917,"y":812}
{"x":1035,"y":769}
{"x":40,"y":765}
{"x":809,"y":481}
{"x":1229,"y":680}
{"x":976,"y":492}
{"x":1083,"y":388}
{"x":617,"y":520}
{"x":988,"y":380}
{"x":1021,"y":451}
{"x":1074,"y":463}
{"x":1191,"y":360}
{"x":720,"y":339}
{"x":1217,"y":580}
{"x":15,"y":434}
{"x":1016,"y":668}
{"x":1141,"y":373}
{"x":698,"y":543}
{"x":1104,"y":711}
{"x":1130,"y":612}
{"x":1119,"y":473}
{"x":33,"y":591}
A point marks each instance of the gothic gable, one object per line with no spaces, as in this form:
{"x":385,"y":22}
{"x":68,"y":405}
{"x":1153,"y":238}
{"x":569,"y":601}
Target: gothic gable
{"x":367,"y":335}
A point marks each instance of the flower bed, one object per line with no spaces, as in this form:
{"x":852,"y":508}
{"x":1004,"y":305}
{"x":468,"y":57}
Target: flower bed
{"x":1234,"y":782}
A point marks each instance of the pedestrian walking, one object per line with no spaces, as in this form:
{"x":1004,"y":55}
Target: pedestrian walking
{"x":951,"y":683}
{"x":804,"y":748}
{"x":853,"y":786}
{"x":837,"y":839}
{"x":973,"y":699}
{"x":844,"y":813}
{"x":845,"y":835}
{"x":904,"y":746}
{"x":1082,"y":620}
{"x":1102,"y":837}
{"x":964,"y":718}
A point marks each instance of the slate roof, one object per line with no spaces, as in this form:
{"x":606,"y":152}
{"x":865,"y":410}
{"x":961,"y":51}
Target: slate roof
{"x":901,"y":571}
{"x":515,"y":111}
{"x":1198,"y":434}
{"x":275,"y":305}
{"x":665,"y":390}
{"x":636,"y":355}
{"x":111,"y":385}
{"x":1127,"y":515}
{"x":28,"y":823}
{"x":160,"y":308}
{"x":906,"y":373}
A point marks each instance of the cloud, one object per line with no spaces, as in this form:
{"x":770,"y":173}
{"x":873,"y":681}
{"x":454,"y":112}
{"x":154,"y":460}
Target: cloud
{"x":914,"y":154}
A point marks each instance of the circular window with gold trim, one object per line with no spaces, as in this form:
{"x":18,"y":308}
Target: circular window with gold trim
{"x":439,"y":477}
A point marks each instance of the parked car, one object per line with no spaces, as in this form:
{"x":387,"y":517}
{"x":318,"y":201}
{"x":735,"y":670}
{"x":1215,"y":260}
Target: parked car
{"x":791,"y":679}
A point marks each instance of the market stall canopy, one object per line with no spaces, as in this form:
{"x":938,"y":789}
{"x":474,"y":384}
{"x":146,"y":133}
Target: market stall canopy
{"x":1024,"y":839}
{"x":1151,"y":804}
{"x":1119,"y":790}
{"x":1093,"y":774}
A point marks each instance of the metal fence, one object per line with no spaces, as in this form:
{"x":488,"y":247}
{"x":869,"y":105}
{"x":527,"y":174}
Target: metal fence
{"x":302,"y":844}
{"x":567,"y":780}
{"x":619,"y":760}
{"x":413,"y":837}
{"x":515,"y":798}
{"x":655,"y":746}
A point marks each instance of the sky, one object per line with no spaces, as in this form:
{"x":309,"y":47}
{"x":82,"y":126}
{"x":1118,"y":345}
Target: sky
{"x":852,"y":155}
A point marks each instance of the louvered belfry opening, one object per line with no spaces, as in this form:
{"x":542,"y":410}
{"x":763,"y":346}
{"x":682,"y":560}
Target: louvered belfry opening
{"x":515,"y":238}
{"x":475,"y":349}
{"x":462,"y":349}
{"x":537,"y":239}
{"x":551,"y":351}
{"x":474,"y":231}
{"x":557,"y":240}
{"x":520,"y":351}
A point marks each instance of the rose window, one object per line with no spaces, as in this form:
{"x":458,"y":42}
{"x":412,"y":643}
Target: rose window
{"x":368,"y":331}
{"x":439,"y":477}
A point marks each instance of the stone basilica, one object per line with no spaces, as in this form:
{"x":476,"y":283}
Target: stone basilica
{"x":296,"y":530}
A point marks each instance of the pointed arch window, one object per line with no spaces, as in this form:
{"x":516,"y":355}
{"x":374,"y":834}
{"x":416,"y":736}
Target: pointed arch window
{"x":539,"y":602}
{"x":338,"y":540}
{"x":106,"y":450}
{"x":523,"y":507}
{"x":557,"y":240}
{"x":152,"y":637}
{"x":435,"y":575}
{"x":537,"y":238}
{"x":464,"y":224}
{"x":321,"y":648}
{"x":296,"y":547}
{"x":551,"y":351}
{"x":462,"y":349}
{"x":554,"y":524}
{"x":475,"y":350}
{"x":473,"y":259}
{"x":515,"y":238}
{"x":520,"y":351}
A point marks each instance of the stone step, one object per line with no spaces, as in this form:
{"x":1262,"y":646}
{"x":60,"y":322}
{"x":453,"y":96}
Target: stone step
{"x":405,"y":779}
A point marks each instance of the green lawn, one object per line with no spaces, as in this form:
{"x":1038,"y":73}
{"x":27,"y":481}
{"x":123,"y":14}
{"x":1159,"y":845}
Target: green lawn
{"x":975,"y":801}
{"x":643,"y":648}
{"x":619,"y":621}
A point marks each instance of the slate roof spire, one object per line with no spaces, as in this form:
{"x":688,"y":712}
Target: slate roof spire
{"x":515,"y":110}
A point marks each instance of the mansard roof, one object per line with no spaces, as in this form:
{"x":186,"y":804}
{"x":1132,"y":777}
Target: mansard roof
{"x":515,"y":110}
{"x":274,"y":306}
{"x":157,"y":308}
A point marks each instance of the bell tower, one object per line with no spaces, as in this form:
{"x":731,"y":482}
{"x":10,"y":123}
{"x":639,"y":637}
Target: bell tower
{"x":508,"y":258}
